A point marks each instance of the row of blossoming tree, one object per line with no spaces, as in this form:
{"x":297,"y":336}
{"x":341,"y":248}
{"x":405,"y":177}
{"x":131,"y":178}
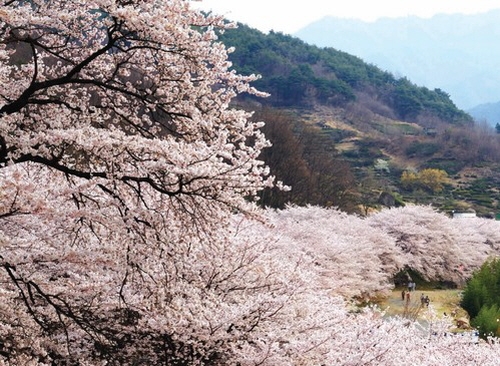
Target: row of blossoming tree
{"x":127,"y":236}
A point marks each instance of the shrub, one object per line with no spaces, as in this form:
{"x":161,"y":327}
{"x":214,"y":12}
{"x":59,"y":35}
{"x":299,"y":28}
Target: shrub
{"x":431,"y":180}
{"x":487,"y":321}
{"x":481,"y":297}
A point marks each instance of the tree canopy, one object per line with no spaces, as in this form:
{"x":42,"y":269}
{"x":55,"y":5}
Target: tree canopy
{"x":481,"y":298}
{"x":119,"y":160}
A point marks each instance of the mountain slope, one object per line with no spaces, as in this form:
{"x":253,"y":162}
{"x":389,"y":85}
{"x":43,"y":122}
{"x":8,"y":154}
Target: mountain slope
{"x":301,"y":75}
{"x":381,"y":125}
{"x":457,"y":53}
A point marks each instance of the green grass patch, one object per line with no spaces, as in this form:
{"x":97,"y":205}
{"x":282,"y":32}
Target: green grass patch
{"x":444,"y":302}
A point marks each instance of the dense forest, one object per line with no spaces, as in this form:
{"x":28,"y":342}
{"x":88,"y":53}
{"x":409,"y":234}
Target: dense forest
{"x":347,"y":134}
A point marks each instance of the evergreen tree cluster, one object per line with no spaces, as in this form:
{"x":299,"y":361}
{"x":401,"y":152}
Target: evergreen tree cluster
{"x":481,"y":299}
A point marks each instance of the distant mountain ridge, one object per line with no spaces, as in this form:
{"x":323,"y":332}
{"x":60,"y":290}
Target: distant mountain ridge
{"x":489,"y":112}
{"x":457,"y":53}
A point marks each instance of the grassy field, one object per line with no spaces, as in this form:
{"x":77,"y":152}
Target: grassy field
{"x":442,"y":301}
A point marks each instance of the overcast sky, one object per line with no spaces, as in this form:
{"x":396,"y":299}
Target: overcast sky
{"x":288,"y":16}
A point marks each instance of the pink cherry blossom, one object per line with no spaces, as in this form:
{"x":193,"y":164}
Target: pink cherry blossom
{"x":127,"y":231}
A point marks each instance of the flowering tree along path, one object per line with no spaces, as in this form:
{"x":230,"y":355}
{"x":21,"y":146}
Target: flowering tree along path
{"x":127,"y":231}
{"x":119,"y":157}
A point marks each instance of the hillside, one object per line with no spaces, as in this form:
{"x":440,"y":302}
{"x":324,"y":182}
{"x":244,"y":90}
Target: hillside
{"x":343,"y":110}
{"x":300,"y":75}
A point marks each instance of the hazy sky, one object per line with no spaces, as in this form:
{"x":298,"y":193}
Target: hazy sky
{"x":289,"y":16}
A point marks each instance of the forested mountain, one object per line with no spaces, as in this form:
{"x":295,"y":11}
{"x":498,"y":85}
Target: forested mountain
{"x":361,"y":136}
{"x":300,"y":75}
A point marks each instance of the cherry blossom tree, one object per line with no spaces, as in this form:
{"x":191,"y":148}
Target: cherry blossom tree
{"x":425,"y":238}
{"x":121,"y":163}
{"x":436,"y":245}
{"x":354,"y":259}
{"x":127,"y":231}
